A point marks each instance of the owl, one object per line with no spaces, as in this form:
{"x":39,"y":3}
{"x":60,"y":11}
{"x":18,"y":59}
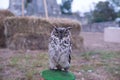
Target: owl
{"x":60,"y":49}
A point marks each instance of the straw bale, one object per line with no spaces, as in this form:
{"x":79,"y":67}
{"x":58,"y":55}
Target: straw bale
{"x":32,"y":25}
{"x":64,"y":22}
{"x":77,"y":42}
{"x":26,"y":26}
{"x":27,"y":41}
{"x":38,"y":25}
{"x":3,"y":15}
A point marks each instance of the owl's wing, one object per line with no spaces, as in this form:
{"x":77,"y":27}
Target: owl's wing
{"x":69,"y":58}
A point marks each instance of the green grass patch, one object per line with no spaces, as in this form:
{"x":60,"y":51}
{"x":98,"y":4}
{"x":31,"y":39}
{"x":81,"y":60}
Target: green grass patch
{"x":29,"y":74}
{"x":29,"y":64}
{"x":114,"y":70}
{"x":88,"y":55}
{"x":87,"y":68}
{"x":102,"y":54}
{"x":108,"y":55}
{"x":14,"y":61}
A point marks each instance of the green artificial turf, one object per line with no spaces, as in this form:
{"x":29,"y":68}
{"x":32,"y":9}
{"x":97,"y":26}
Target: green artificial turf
{"x":57,"y":75}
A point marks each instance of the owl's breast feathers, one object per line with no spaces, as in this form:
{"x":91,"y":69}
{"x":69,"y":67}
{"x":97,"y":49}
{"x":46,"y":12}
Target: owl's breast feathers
{"x":60,"y":48}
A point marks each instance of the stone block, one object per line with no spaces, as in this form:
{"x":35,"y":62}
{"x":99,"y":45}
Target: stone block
{"x":112,"y":34}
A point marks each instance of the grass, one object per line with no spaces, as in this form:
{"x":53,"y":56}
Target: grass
{"x":87,"y":55}
{"x":29,"y":74}
{"x":87,"y":68}
{"x":29,"y":65}
{"x":1,"y":68}
{"x":106,"y":60}
{"x":106,"y":55}
{"x":13,"y":61}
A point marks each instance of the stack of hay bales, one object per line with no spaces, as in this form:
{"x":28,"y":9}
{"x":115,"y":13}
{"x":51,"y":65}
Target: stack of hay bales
{"x":27,"y":32}
{"x":33,"y":33}
{"x":3,"y":15}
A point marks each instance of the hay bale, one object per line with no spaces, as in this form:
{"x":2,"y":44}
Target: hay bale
{"x":77,"y":42}
{"x":38,"y":26}
{"x":64,"y":22}
{"x":6,"y":13}
{"x":26,"y":41}
{"x":3,"y":15}
{"x":2,"y":36}
{"x":32,"y":25}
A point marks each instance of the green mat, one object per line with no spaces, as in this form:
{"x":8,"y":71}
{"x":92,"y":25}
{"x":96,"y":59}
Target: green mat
{"x":57,"y":75}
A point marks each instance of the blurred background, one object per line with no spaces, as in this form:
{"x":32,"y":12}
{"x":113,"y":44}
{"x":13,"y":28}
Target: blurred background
{"x":87,"y":11}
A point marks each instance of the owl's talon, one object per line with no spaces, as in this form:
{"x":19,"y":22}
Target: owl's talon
{"x":53,"y":68}
{"x":66,"y":69}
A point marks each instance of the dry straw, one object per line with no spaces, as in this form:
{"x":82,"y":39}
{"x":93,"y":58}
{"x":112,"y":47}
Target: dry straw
{"x":3,"y":15}
{"x":40,"y":26}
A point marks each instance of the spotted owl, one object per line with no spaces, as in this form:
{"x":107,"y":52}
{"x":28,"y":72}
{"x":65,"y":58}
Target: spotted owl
{"x":60,"y":49}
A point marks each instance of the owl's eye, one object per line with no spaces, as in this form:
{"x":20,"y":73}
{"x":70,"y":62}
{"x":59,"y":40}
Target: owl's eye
{"x":56,"y":33}
{"x":66,"y":34}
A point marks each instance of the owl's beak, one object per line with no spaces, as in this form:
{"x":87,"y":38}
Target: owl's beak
{"x":60,"y":36}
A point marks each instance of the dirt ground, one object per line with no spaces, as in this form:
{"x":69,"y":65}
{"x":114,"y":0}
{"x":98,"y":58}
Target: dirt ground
{"x":100,"y":62}
{"x":95,"y":41}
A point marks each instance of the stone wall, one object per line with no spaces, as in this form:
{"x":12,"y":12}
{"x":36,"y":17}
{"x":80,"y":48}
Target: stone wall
{"x":98,"y":27}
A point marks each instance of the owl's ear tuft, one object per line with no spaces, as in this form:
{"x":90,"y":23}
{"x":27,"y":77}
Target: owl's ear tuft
{"x":69,"y":28}
{"x":55,"y":28}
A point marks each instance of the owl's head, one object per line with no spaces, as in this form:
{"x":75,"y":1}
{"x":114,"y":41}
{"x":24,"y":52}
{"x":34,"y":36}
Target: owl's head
{"x":61,"y":33}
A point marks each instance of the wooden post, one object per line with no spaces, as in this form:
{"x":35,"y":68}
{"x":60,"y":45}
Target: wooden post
{"x":22,"y":7}
{"x":45,"y":7}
